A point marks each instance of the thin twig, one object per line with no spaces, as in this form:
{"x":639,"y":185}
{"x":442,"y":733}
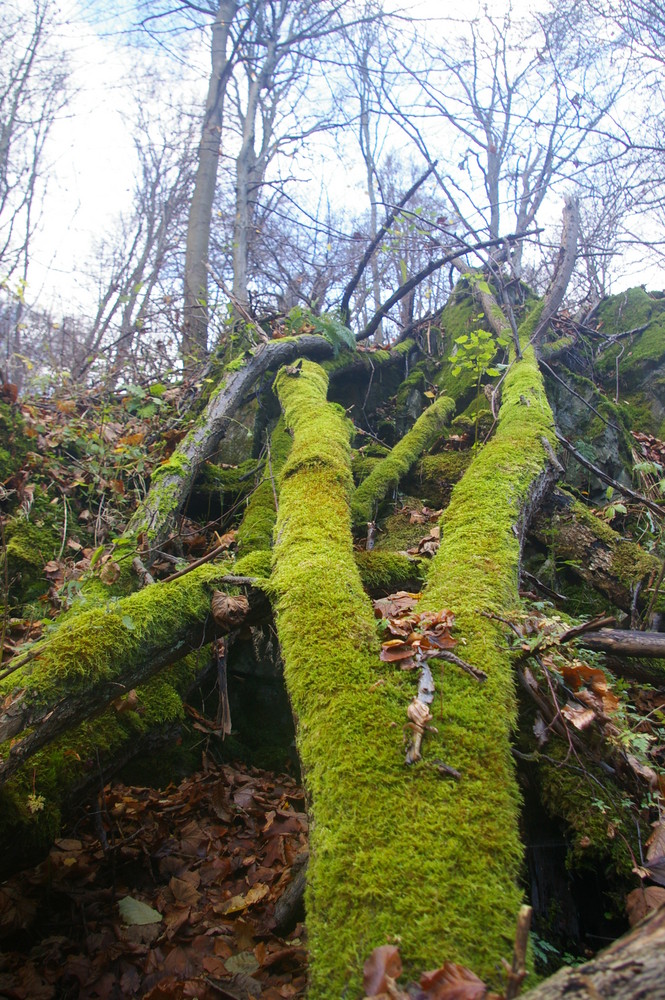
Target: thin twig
{"x":445,"y":654}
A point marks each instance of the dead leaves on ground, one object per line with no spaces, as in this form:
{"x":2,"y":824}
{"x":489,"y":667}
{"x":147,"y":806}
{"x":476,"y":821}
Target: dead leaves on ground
{"x":450,"y":982}
{"x":163,"y":895}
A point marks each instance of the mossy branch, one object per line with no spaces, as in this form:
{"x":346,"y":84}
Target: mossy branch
{"x":172,"y":481}
{"x":96,"y":656}
{"x":387,"y":474}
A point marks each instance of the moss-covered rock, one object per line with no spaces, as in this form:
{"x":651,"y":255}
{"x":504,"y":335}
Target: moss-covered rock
{"x":434,"y":476}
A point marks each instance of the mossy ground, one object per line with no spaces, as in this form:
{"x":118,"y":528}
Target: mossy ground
{"x":395,"y":851}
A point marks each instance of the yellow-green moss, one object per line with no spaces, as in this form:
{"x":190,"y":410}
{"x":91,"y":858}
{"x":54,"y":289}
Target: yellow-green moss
{"x":427,"y":428}
{"x":14,"y":443}
{"x":474,"y":571}
{"x":103,"y":643}
{"x":395,"y":851}
{"x":256,"y":527}
{"x":386,"y":572}
{"x":30,"y":542}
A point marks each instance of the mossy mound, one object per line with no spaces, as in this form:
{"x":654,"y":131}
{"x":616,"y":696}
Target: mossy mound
{"x":31,"y":541}
{"x":434,"y":476}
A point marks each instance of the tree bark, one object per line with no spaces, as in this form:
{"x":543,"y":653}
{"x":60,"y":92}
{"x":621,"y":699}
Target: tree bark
{"x":625,"y":642}
{"x":172,"y":481}
{"x":631,"y":968}
{"x":195,"y":318}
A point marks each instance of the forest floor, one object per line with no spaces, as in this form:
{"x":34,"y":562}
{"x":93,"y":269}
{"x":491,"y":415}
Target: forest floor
{"x":163,"y":894}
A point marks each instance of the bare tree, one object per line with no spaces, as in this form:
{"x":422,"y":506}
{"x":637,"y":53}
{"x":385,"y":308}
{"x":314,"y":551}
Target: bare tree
{"x":33,"y":90}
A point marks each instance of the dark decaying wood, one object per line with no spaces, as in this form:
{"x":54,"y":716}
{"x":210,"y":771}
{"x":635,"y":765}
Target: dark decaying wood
{"x":625,"y":642}
{"x":633,"y":968}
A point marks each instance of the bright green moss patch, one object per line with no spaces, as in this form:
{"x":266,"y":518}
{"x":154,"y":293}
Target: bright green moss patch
{"x":14,"y":443}
{"x":427,"y":428}
{"x":103,"y":643}
{"x":386,"y":572}
{"x":395,"y":851}
{"x":474,"y":571}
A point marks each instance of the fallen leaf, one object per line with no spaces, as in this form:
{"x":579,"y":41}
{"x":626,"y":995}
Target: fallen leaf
{"x":452,"y":982}
{"x":384,"y":962}
{"x":656,"y":842}
{"x":579,"y":716}
{"x":255,"y":895}
{"x":133,"y":911}
{"x":639,"y":902}
{"x":228,"y":611}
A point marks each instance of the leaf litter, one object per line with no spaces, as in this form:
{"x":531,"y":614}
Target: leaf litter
{"x":163,"y":895}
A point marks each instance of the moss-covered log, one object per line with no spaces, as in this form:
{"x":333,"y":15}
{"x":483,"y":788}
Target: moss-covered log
{"x":37,"y":799}
{"x":593,"y":551}
{"x":475,"y":571}
{"x":395,"y":851}
{"x":387,"y":474}
{"x":93,"y":657}
{"x":172,"y":481}
{"x":256,"y":527}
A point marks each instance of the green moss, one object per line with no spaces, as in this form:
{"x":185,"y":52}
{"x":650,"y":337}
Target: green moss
{"x":74,"y":758}
{"x":588,"y":803}
{"x":257,"y":563}
{"x":31,"y":541}
{"x":427,"y":428}
{"x":104,"y":643}
{"x":387,"y":857}
{"x":435,"y":475}
{"x":397,"y":533}
{"x":474,"y":571}
{"x":15,"y":444}
{"x":362,"y":465}
{"x":386,"y":572}
{"x":256,"y":527}
{"x":415,"y":381}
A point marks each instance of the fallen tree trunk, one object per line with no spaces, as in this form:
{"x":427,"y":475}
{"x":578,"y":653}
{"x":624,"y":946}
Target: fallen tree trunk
{"x":387,"y":474}
{"x":630,"y":969}
{"x":625,"y":642}
{"x":172,"y":481}
{"x":34,"y":802}
{"x":593,"y":551}
{"x":96,"y":656}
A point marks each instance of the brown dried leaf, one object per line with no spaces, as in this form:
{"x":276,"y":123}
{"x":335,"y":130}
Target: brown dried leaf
{"x":394,"y":649}
{"x":395,"y":605}
{"x":384,"y":962}
{"x":228,"y":611}
{"x":452,"y":982}
{"x":579,"y":716}
{"x":639,"y":902}
{"x":656,"y":842}
{"x":642,"y":771}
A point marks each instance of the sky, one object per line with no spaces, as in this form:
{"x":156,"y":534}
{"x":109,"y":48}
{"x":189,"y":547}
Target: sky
{"x":91,"y":158}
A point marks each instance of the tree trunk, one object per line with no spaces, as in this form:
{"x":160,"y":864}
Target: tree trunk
{"x":630,"y":969}
{"x":172,"y":481}
{"x":625,"y":642}
{"x":376,"y":822}
{"x":195,"y":318}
